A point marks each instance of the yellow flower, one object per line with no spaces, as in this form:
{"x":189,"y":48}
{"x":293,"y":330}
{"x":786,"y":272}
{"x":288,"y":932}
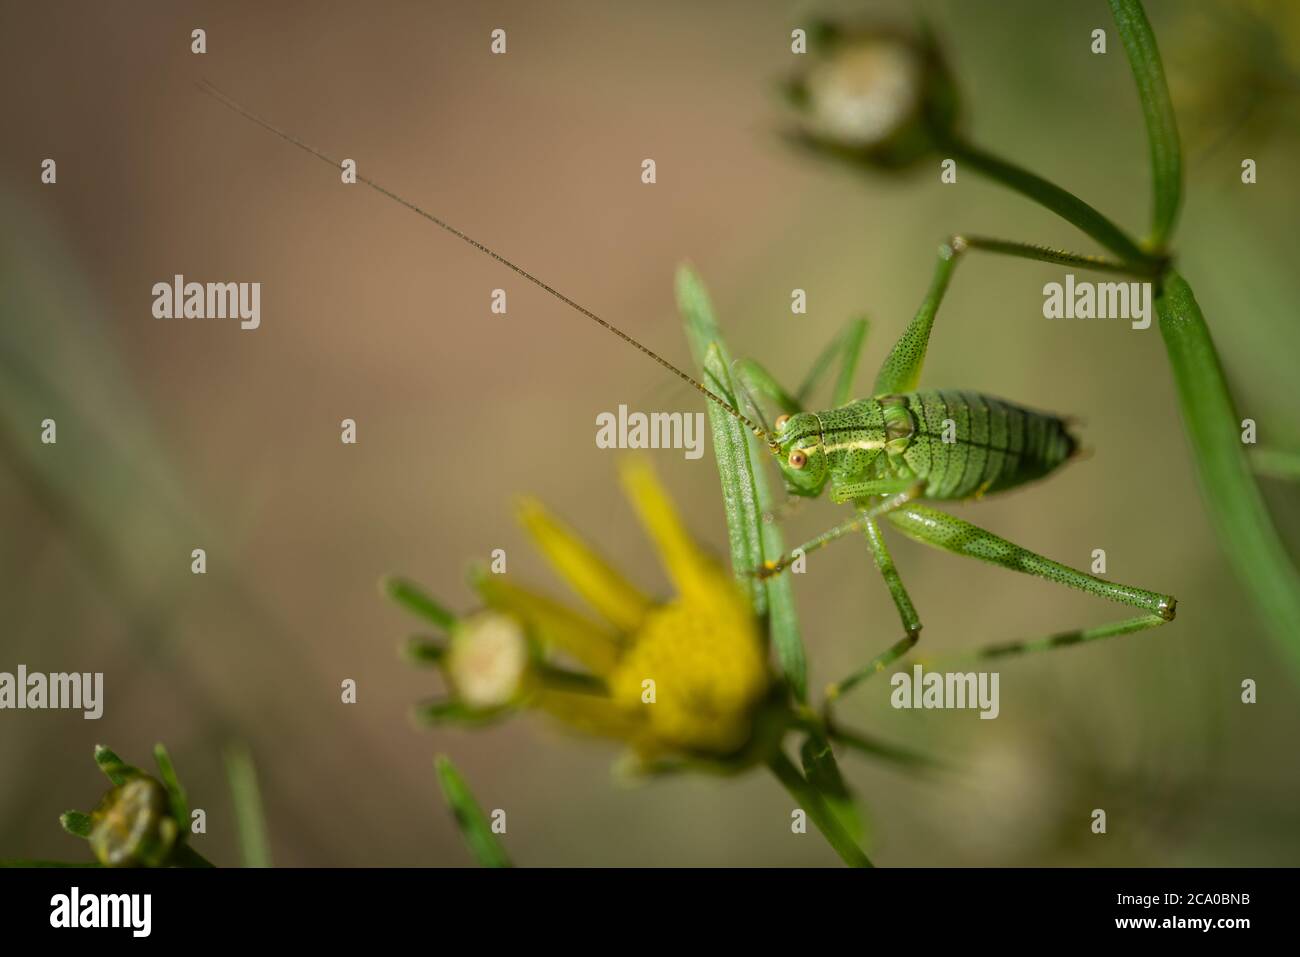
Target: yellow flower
{"x":684,"y":677}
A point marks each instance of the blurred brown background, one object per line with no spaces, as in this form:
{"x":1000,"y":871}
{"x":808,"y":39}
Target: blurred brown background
{"x":175,"y":435}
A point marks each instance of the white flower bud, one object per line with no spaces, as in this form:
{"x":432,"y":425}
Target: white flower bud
{"x":865,"y":92}
{"x":487,"y":659}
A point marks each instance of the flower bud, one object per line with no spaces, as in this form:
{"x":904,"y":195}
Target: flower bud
{"x":873,"y":96}
{"x":133,"y":827}
{"x":487,"y":659}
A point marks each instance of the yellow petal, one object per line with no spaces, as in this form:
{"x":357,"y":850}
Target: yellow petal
{"x":591,"y":714}
{"x":553,"y":624}
{"x":689,"y":568}
{"x":593,"y":578}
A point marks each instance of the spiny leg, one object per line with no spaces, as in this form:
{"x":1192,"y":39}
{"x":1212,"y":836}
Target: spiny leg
{"x":901,"y":370}
{"x":847,"y":344}
{"x":906,"y":612}
{"x":749,"y":405}
{"x":933,"y":527}
{"x":885,"y":564}
{"x":864,"y":515}
{"x":852,"y":491}
{"x":753,"y":377}
{"x":873,"y":667}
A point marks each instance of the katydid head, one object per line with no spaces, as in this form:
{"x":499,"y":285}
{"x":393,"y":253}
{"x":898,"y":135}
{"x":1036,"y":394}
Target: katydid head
{"x":801,"y":454}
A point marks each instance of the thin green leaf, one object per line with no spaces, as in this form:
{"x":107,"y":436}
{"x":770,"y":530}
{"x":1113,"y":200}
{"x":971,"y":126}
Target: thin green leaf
{"x":422,"y":650}
{"x":745,"y":492}
{"x":893,"y":753}
{"x":1050,"y":196}
{"x":172,"y":784}
{"x":250,"y":820}
{"x":1232,"y":495}
{"x":738,"y":495}
{"x":454,"y":711}
{"x":117,"y":770}
{"x":414,"y":599}
{"x":473,"y":823}
{"x":45,"y":864}
{"x":823,"y":773}
{"x":809,"y":799}
{"x":1158,"y":110}
{"x":730,"y":448}
{"x":76,"y":823}
{"x":566,"y":679}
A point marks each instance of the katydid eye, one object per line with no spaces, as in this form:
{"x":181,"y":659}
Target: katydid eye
{"x":798,"y":459}
{"x":781,"y":420}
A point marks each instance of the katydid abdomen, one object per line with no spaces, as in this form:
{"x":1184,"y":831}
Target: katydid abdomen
{"x":968,"y":443}
{"x":957,"y":444}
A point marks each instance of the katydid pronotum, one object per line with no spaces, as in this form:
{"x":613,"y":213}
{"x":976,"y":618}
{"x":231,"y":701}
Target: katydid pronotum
{"x":891,"y":453}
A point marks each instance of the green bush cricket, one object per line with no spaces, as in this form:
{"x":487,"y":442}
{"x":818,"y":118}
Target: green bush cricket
{"x":889,"y":454}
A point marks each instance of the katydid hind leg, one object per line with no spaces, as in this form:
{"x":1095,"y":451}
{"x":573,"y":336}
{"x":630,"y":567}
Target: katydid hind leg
{"x":941,"y":530}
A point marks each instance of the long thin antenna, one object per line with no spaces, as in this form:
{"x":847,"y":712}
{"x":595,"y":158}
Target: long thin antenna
{"x":762,"y":434}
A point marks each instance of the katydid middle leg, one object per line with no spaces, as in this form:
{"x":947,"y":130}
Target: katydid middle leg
{"x":866,"y":520}
{"x":906,"y":612}
{"x":868,"y":509}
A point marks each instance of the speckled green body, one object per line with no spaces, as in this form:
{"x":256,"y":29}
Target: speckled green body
{"x":991,"y":445}
{"x":996,"y":445}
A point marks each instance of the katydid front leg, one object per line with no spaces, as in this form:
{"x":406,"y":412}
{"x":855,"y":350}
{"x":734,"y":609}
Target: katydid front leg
{"x":867,"y":513}
{"x":755,"y":378}
{"x":846,"y":345}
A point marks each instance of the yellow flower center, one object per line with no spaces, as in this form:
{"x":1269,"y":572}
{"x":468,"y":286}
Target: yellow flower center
{"x":695,"y":671}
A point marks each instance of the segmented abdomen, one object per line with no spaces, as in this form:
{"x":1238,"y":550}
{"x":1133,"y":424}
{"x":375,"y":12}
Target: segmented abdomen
{"x":997,"y":445}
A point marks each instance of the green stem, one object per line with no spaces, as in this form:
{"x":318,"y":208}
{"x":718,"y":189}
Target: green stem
{"x":817,"y":809}
{"x":1233,"y":497}
{"x":1047,"y":194}
{"x":1158,"y":111}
